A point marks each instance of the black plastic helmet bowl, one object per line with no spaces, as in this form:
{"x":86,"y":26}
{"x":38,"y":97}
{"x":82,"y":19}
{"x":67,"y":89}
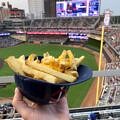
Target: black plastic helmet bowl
{"x":42,"y":92}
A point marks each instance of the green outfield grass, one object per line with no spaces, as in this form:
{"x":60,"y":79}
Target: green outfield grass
{"x":7,"y":91}
{"x":76,"y":94}
{"x":93,"y":44}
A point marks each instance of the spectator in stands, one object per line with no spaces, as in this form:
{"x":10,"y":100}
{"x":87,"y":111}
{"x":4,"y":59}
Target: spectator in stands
{"x":58,"y":111}
{"x":92,"y":116}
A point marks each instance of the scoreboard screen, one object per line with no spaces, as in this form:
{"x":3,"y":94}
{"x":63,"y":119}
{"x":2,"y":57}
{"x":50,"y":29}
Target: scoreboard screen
{"x":78,"y":36}
{"x":77,"y":8}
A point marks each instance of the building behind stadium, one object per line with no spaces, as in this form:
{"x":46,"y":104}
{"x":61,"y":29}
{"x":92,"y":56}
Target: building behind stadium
{"x":8,"y":12}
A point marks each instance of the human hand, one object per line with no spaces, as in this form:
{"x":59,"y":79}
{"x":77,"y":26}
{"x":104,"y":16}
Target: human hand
{"x":57,"y":111}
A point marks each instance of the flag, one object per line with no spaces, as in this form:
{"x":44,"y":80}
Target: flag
{"x":107,"y":17}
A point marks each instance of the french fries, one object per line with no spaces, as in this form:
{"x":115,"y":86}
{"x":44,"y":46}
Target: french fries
{"x":15,"y":65}
{"x":39,"y":75}
{"x":41,"y":67}
{"x":49,"y":68}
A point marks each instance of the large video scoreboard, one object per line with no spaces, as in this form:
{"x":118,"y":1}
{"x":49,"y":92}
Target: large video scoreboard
{"x":77,"y":8}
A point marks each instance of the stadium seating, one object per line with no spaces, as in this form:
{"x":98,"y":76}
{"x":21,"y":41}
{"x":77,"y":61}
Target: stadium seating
{"x":8,"y":42}
{"x":66,"y":25}
{"x":113,"y":38}
{"x":75,"y":22}
{"x":111,"y":90}
{"x":7,"y":111}
{"x":48,"y":39}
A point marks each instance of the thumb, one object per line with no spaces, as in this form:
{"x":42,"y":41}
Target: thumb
{"x":20,"y":104}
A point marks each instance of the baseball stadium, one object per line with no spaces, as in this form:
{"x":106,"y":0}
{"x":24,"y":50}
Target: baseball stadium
{"x":92,"y":36}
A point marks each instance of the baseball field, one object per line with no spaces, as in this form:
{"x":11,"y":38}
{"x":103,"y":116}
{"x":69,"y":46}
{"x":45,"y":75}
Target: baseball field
{"x":76,"y":93}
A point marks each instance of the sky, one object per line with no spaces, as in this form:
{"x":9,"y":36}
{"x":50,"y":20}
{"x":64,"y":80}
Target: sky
{"x":105,"y":4}
{"x":113,"y":5}
{"x":22,"y":4}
